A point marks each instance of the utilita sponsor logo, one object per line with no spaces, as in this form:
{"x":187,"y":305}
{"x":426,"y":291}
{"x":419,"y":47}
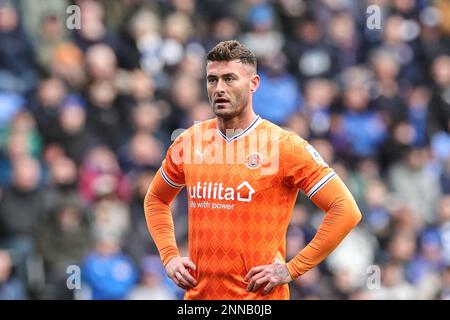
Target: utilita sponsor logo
{"x":217,"y":191}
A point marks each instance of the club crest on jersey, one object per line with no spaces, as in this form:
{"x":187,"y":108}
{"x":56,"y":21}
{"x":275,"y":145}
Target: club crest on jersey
{"x":253,"y":161}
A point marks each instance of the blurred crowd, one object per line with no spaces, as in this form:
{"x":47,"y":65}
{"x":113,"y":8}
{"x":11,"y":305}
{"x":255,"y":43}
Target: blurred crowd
{"x":86,"y":115}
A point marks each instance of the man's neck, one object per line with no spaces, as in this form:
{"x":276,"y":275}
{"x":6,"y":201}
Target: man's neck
{"x":240,"y":122}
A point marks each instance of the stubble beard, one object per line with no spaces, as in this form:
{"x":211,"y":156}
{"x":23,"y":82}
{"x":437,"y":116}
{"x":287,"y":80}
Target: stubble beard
{"x":235,"y":108}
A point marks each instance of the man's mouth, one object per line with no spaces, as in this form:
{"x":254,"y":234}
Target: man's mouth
{"x":221,"y":100}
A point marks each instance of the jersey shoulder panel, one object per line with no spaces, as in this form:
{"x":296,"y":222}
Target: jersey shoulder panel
{"x":304,"y":167}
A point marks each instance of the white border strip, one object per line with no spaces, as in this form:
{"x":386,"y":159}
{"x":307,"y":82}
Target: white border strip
{"x":320,"y":184}
{"x":170,"y":182}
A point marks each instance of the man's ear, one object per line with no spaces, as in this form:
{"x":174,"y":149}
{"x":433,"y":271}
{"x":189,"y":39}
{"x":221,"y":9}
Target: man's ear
{"x":254,"y":83}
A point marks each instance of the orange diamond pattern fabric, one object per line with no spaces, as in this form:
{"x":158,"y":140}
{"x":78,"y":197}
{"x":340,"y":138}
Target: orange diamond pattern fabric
{"x":241,"y":192}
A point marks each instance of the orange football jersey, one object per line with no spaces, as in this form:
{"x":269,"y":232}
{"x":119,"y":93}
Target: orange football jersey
{"x":241,"y":190}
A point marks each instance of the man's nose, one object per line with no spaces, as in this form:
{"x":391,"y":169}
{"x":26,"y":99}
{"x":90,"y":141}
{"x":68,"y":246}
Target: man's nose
{"x":220,"y":88}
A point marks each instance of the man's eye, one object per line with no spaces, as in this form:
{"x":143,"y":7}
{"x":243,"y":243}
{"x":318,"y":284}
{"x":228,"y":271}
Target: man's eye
{"x":212,"y":80}
{"x":229,"y":79}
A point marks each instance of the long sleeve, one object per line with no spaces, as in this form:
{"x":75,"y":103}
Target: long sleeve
{"x":342,"y":215}
{"x":159,"y":216}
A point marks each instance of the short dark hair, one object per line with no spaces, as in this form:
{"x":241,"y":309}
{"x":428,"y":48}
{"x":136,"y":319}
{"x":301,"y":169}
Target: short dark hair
{"x":232,"y":50}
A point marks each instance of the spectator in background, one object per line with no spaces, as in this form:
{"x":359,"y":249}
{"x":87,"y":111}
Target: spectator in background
{"x":365,"y":171}
{"x":136,"y":241}
{"x":147,"y":118}
{"x":444,"y":293}
{"x":110,"y":196}
{"x":51,"y":33}
{"x":404,"y":218}
{"x":142,"y":88}
{"x":432,"y":38}
{"x":45,"y":107}
{"x":185,"y":95}
{"x":145,"y":29}
{"x":63,"y":239}
{"x":67,"y":64}
{"x":138,"y":88}
{"x":200,"y":112}
{"x":63,"y":180}
{"x":309,"y":56}
{"x":439,"y":115}
{"x":142,"y":152}
{"x":263,"y":38}
{"x":100,"y":174}
{"x":410,"y":179}
{"x":11,"y":288}
{"x":152,"y":285}
{"x":299,"y":123}
{"x":107,"y":272}
{"x":92,"y":30}
{"x":444,"y":178}
{"x":377,"y":216}
{"x":35,"y":12}
{"x":425,"y":268}
{"x":400,"y":45}
{"x":11,"y":104}
{"x":418,"y":105}
{"x":319,"y":97}
{"x":16,"y":148}
{"x":75,"y":137}
{"x":224,"y":28}
{"x":21,"y":138}
{"x":308,"y":287}
{"x":344,"y":284}
{"x":443,"y":211}
{"x":22,"y":206}
{"x":101,"y":63}
{"x":192,"y":62}
{"x":178,"y":33}
{"x":346,"y":43}
{"x":17,"y":62}
{"x":393,"y":285}
{"x":110,"y":215}
{"x":358,"y":118}
{"x":387,"y":101}
{"x":278,"y":87}
{"x":401,"y":247}
{"x":23,"y":124}
{"x":360,"y":247}
{"x":400,"y":139}
{"x":103,"y":114}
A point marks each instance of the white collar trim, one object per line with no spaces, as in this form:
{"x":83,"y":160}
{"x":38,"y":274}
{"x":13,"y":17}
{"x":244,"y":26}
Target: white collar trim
{"x":242,"y":133}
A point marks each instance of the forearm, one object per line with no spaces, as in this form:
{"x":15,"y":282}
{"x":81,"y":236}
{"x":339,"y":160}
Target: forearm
{"x":342,"y":215}
{"x":159,"y":217}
